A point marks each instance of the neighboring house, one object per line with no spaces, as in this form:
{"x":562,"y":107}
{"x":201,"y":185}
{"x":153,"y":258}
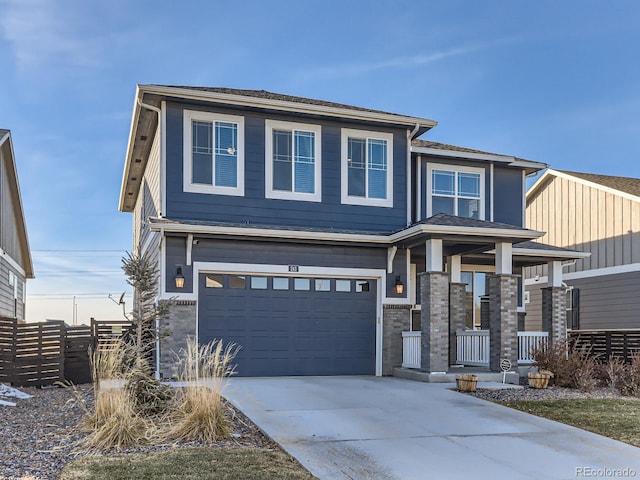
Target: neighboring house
{"x":15,"y":257}
{"x":313,"y":234}
{"x":599,"y":214}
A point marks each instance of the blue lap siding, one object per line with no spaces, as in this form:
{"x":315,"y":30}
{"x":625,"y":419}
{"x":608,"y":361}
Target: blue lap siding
{"x":254,"y":208}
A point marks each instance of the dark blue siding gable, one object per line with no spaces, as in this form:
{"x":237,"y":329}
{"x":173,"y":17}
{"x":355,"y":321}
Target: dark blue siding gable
{"x":507,"y":189}
{"x":508,"y":196}
{"x":254,"y":208}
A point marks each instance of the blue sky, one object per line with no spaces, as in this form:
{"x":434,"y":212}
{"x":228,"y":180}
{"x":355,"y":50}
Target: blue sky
{"x":557,"y":82}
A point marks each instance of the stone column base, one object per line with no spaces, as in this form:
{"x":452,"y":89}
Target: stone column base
{"x":435,"y":321}
{"x":503,"y":320}
{"x":175,"y":329}
{"x":395,"y":320}
{"x":554,"y":313}
{"x":457,"y":317}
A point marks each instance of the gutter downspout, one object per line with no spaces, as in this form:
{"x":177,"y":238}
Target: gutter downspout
{"x":410,"y":135}
{"x":149,"y":107}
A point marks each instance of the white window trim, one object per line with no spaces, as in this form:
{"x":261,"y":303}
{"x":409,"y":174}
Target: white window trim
{"x":269,"y":192}
{"x":188,"y":186}
{"x":368,"y":135}
{"x":457,"y":169}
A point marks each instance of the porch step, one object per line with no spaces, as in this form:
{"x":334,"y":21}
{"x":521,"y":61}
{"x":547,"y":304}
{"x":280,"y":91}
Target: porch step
{"x":450,"y":377}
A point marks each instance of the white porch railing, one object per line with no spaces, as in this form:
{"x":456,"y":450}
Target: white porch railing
{"x":472,"y":347}
{"x":411,"y":349}
{"x":527,"y":343}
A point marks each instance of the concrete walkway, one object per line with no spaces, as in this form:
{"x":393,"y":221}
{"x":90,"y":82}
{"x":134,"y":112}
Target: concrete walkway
{"x":388,"y":428}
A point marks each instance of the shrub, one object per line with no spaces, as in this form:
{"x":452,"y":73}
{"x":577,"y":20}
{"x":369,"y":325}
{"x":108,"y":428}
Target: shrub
{"x":200,"y":410}
{"x":612,"y":372}
{"x":572,"y":367}
{"x":630,"y":380}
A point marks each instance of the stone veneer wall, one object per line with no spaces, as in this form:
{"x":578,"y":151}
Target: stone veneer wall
{"x":457,"y":317}
{"x":395,"y":320}
{"x":503,"y":320}
{"x":179,"y":325}
{"x":434,"y":288}
{"x":554,"y":313}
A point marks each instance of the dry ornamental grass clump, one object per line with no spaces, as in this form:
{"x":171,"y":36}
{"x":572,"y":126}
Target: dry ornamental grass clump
{"x":132,"y":407}
{"x":199,"y":413}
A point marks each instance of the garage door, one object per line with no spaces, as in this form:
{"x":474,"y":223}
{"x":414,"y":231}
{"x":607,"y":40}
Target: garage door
{"x":291,"y":325}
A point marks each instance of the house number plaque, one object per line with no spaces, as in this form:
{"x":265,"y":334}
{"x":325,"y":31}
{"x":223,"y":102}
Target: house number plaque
{"x":294,"y":268}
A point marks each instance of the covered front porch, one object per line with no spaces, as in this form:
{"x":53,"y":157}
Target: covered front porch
{"x":467,"y":307}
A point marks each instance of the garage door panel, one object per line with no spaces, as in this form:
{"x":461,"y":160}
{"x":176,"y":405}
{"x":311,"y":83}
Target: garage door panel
{"x":292,"y":332}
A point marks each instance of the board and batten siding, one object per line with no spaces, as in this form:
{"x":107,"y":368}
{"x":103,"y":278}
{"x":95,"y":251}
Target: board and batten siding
{"x":9,"y":212}
{"x":254,"y":208}
{"x":588,"y":219}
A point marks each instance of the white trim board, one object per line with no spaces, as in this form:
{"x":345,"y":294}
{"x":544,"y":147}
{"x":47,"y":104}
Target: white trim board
{"x":382,"y":239}
{"x":551,"y":172}
{"x":597,"y":272}
{"x":283,"y":270}
{"x":15,"y":265}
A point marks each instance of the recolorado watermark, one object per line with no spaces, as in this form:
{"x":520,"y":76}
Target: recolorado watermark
{"x":604,"y":472}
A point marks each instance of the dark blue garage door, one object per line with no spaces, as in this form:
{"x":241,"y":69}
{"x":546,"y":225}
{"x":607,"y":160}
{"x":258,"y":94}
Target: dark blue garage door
{"x":291,"y":326}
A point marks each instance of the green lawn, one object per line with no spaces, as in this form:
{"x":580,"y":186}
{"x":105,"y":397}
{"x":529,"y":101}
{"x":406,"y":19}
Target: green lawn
{"x":192,"y":463}
{"x":613,"y":418}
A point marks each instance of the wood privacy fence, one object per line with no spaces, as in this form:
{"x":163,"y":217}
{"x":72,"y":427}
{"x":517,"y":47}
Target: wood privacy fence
{"x":607,"y":343}
{"x":38,"y":354}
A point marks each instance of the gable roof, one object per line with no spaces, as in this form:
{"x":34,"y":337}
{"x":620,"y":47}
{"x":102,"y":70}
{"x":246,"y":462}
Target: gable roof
{"x":442,"y":149}
{"x":6,"y":147}
{"x":147,"y":109}
{"x":624,"y":184}
{"x":626,"y":187}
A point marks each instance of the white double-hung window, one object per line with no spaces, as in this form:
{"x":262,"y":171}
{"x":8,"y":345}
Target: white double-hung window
{"x":213,"y":153}
{"x":367,"y":168}
{"x":455,"y":190}
{"x":293,"y":161}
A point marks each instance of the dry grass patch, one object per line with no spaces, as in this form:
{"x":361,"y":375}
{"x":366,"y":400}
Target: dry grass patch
{"x":614,"y":418}
{"x":195,"y":464}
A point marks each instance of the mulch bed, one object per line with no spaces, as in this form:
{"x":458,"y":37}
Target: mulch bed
{"x":40,"y":435}
{"x":550,"y":393}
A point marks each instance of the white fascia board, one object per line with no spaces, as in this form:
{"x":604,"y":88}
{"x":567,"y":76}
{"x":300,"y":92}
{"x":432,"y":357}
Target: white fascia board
{"x":470,"y":231}
{"x":487,"y":157}
{"x":345,"y":237}
{"x":596,"y":272}
{"x":534,"y":252}
{"x":132,"y":135}
{"x":528,"y":164}
{"x":286,"y":106}
{"x":551,"y":172}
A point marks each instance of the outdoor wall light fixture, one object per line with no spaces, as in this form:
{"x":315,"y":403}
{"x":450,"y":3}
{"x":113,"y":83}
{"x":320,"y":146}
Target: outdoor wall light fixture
{"x":399,"y":285}
{"x":179,"y":278}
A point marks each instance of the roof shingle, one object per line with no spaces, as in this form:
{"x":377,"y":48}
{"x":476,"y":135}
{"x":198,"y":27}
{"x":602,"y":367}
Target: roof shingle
{"x":623,"y":184}
{"x":264,"y":94}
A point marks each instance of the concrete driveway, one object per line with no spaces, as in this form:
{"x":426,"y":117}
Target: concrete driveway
{"x":388,"y":428}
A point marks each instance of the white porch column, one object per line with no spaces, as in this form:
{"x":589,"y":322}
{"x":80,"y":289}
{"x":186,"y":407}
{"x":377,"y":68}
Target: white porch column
{"x":434,"y":255}
{"x":504,"y":258}
{"x":455,"y":268}
{"x":555,"y":274}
